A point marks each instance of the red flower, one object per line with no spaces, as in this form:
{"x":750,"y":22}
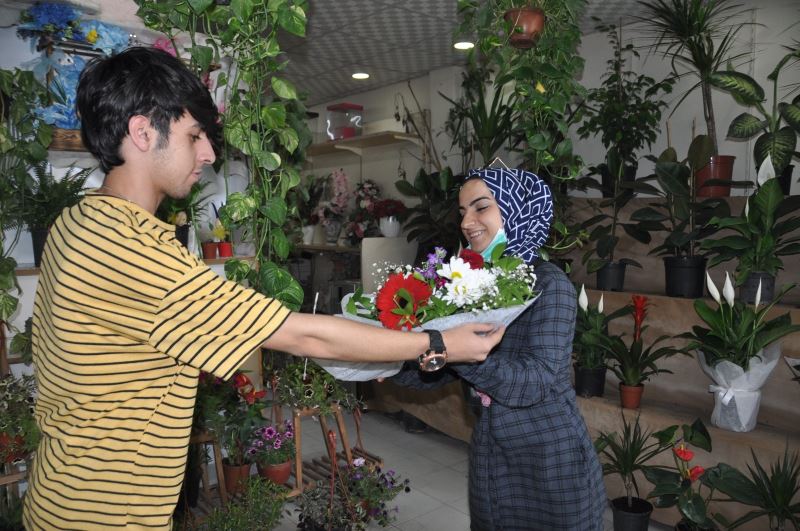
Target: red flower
{"x":683,"y":453}
{"x":695,"y":472}
{"x":475,"y":260}
{"x":639,"y":313}
{"x":395,"y":310}
{"x":240,"y":380}
{"x":251,"y":396}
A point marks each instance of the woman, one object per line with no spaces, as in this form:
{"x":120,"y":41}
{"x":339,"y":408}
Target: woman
{"x":532,"y":463}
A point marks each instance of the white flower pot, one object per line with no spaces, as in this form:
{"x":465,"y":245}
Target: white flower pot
{"x":390,"y":226}
{"x":308,"y":233}
{"x":737,"y":393}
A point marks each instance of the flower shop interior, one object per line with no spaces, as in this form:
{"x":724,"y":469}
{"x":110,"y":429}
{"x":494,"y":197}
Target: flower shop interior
{"x":329,"y":177}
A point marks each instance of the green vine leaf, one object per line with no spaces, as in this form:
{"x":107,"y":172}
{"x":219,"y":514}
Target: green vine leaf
{"x":277,"y":282}
{"x":284,"y":89}
{"x":280,"y":243}
{"x":275,"y":209}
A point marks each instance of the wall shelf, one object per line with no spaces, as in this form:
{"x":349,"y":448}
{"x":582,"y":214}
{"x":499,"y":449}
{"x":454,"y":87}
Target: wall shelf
{"x":67,"y":140}
{"x":358,"y":144}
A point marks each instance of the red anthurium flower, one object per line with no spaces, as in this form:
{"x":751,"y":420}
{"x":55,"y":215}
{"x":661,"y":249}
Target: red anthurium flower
{"x":241,"y":380}
{"x":695,"y":472}
{"x":683,"y":453}
{"x":475,"y":260}
{"x":639,"y":313}
{"x":395,"y":310}
{"x":251,"y":396}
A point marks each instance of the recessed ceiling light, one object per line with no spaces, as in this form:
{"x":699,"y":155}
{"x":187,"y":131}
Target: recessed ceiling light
{"x":464,"y":45}
{"x":360,"y":75}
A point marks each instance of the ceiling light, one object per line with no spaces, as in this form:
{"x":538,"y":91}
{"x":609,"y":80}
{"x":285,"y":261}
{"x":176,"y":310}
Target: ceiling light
{"x":464,"y":45}
{"x":360,"y":75}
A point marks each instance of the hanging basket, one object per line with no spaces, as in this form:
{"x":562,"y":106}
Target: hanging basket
{"x":527,"y":26}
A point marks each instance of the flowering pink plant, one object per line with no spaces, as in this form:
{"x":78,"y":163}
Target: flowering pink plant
{"x":272,"y":444}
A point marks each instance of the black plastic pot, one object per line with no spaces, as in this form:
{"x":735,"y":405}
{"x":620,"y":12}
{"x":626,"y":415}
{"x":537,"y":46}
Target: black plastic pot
{"x":589,"y":382}
{"x":182,"y":234}
{"x":38,"y":237}
{"x":684,"y":276}
{"x":611,"y":277}
{"x":633,"y":518}
{"x":785,"y":179}
{"x":747,"y":291}
{"x":683,"y":525}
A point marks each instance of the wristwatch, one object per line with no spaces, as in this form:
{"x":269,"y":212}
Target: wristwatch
{"x":435,"y":357}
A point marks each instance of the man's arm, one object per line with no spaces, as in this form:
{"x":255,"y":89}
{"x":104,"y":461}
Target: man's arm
{"x":328,"y":337}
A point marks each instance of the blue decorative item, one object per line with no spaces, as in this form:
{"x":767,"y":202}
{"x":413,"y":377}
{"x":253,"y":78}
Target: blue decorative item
{"x":58,"y":21}
{"x":107,"y":38}
{"x":66,"y":70}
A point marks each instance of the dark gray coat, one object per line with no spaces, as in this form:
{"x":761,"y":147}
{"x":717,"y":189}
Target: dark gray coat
{"x":532,"y":463}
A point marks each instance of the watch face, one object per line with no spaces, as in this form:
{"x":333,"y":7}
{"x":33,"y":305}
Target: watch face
{"x":432,"y":362}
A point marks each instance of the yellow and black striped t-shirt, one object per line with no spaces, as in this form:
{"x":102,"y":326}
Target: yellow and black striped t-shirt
{"x":124,"y":319}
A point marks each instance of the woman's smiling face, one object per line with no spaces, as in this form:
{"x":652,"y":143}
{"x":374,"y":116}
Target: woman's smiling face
{"x":480,"y":215}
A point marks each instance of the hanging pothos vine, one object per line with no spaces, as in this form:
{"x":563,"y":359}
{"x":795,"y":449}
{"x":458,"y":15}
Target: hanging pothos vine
{"x":262,"y":119}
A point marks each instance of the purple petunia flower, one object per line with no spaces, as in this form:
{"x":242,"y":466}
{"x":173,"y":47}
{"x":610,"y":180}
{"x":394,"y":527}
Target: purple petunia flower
{"x":276,"y":444}
{"x":270,"y":432}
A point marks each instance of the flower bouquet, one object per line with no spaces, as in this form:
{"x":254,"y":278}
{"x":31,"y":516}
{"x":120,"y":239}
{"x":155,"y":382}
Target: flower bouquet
{"x":440,"y":294}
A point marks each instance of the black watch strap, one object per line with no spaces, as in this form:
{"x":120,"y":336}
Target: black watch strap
{"x":436,"y":356}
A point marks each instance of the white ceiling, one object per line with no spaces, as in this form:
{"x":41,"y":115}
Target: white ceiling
{"x":392,"y":40}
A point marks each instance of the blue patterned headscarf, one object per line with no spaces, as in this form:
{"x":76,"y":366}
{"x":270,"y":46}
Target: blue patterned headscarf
{"x":526,"y":204}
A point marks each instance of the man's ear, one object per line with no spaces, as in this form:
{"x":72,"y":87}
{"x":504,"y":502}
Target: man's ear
{"x":141,"y":132}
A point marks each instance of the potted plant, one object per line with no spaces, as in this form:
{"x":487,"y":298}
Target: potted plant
{"x":603,"y":236}
{"x":773,"y":493}
{"x":737,"y":349}
{"x":261,"y":506}
{"x":183,"y":212}
{"x":698,"y":35}
{"x":351,"y":498}
{"x":233,"y":412}
{"x":44,"y":197}
{"x":307,"y":385}
{"x":765,"y":231}
{"x":634,"y":364}
{"x":221,"y":234}
{"x":625,"y":454}
{"x":776,"y":140}
{"x":625,"y":111}
{"x":682,"y":485}
{"x":590,"y":358}
{"x":303,"y":200}
{"x":680,"y":215}
{"x":272,"y":449}
{"x":363,"y":221}
{"x":492,"y":123}
{"x":390,"y":213}
{"x":566,"y":233}
{"x":19,"y":434}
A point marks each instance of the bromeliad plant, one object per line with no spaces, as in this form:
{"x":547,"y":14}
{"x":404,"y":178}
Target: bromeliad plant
{"x":634,"y":364}
{"x":439,"y":288}
{"x":735,"y":331}
{"x":590,"y":326}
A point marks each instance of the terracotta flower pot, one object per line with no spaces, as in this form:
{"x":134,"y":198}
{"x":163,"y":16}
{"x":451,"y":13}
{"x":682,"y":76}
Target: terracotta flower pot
{"x":528,"y":24}
{"x":630,"y":395}
{"x":235,"y":476}
{"x":278,"y":473}
{"x":720,"y":167}
{"x":209,"y":250}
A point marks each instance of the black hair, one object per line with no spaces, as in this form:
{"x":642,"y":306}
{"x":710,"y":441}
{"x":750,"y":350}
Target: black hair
{"x":139,"y":81}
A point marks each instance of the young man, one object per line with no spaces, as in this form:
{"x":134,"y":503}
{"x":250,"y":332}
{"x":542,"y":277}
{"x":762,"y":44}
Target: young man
{"x":125,"y":318}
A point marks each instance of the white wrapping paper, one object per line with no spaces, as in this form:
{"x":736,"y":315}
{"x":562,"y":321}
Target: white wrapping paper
{"x":737,"y":394}
{"x":364,"y":371}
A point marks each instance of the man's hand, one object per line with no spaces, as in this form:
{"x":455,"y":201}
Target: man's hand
{"x":471,"y":343}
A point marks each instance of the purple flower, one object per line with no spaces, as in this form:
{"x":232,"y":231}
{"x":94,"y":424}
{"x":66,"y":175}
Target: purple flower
{"x":276,"y":444}
{"x":288,"y":434}
{"x":270,"y":432}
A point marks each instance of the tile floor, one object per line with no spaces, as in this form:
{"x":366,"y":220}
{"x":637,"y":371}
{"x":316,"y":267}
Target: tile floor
{"x":435,"y":463}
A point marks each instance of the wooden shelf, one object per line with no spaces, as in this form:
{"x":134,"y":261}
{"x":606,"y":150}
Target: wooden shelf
{"x":358,"y":144}
{"x":67,"y":140}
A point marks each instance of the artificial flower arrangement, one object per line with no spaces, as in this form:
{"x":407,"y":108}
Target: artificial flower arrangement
{"x":272,"y":444}
{"x":332,"y":209}
{"x":389,"y":207}
{"x":363,"y":222}
{"x":464,"y":284}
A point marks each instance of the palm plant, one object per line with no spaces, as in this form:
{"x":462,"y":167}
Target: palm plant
{"x":696,"y":36}
{"x":774,"y":493}
{"x":628,"y":452}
